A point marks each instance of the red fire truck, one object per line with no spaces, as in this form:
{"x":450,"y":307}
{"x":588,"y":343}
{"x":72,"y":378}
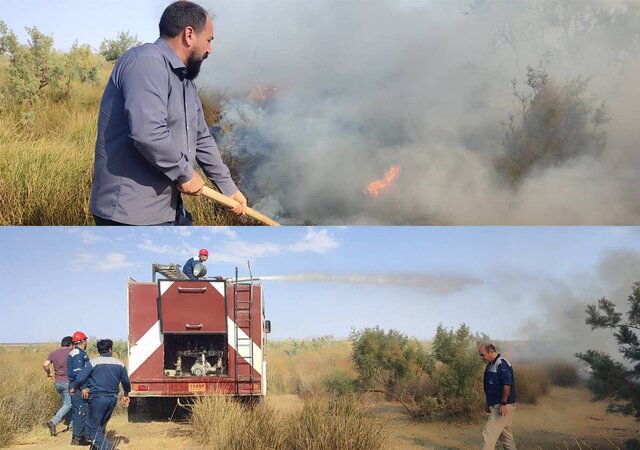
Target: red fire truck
{"x":190,"y":338}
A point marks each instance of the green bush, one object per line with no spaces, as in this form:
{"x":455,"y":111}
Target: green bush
{"x":112,"y":49}
{"x":339,"y":383}
{"x":383,"y":359}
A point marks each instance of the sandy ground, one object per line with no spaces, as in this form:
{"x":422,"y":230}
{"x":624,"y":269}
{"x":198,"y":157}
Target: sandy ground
{"x":566,"y":419}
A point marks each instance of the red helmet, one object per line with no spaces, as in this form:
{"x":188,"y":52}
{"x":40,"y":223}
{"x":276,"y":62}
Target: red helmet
{"x":203,"y":251}
{"x":79,"y":336}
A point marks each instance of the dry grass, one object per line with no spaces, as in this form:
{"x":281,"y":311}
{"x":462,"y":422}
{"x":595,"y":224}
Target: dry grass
{"x":532,"y":382}
{"x":27,"y":397}
{"x":221,"y":423}
{"x":300,"y":367}
{"x":46,"y":161}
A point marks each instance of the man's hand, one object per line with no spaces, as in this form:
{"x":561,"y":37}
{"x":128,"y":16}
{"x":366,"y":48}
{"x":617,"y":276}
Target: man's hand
{"x":240,"y":209}
{"x":126,"y":401}
{"x":49,"y":375}
{"x":85,"y":393}
{"x":193,"y":186}
{"x":503,"y":410}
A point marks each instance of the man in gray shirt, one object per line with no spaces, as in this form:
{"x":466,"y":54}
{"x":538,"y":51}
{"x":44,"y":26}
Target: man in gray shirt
{"x":152,"y":131}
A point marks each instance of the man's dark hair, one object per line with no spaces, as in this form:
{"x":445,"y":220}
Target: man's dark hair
{"x":180,"y":15}
{"x":66,"y":341}
{"x":104,"y":345}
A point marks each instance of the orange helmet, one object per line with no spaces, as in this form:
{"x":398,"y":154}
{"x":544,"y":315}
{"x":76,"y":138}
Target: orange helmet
{"x":203,"y":251}
{"x":79,"y":336}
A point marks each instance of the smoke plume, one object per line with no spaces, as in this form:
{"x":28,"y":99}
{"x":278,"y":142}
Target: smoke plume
{"x":354,"y":87}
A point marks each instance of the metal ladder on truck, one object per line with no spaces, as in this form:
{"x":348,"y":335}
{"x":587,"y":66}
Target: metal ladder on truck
{"x":243,"y":338}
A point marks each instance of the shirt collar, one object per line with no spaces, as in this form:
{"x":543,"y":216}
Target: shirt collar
{"x":106,"y":354}
{"x":175,"y":62}
{"x":495,"y":359}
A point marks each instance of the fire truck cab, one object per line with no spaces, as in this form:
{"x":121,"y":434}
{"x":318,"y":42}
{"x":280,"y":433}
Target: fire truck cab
{"x":191,"y":338}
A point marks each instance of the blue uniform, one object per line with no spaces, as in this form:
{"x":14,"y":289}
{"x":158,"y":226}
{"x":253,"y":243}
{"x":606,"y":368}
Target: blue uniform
{"x":76,"y":361}
{"x":188,"y":267}
{"x":104,"y":375}
{"x":497,"y":374}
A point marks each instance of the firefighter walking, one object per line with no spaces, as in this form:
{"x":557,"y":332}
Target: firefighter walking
{"x":103,"y":374}
{"x":76,"y":361}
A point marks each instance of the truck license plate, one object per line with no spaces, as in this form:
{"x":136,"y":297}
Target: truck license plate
{"x":197,"y":387}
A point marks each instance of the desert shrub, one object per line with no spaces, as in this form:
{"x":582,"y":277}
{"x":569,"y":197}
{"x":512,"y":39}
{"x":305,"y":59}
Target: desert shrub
{"x":532,"y":382}
{"x":558,"y":122}
{"x":112,"y":49}
{"x":334,"y":424}
{"x":222,"y":423}
{"x":27,"y":399}
{"x":339,"y":383}
{"x":383,"y":359}
{"x":562,"y":373}
{"x":456,"y":388}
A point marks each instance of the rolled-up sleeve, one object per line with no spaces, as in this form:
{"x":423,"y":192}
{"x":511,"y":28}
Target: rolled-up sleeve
{"x":146,"y":90}
{"x":208,"y":156}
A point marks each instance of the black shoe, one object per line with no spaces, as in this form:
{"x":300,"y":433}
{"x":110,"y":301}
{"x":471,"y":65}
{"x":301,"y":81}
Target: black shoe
{"x":77,"y":440}
{"x":52,"y":428}
{"x":84,"y":441}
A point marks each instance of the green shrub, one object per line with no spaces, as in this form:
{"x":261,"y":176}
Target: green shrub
{"x":112,"y":49}
{"x":383,"y":359}
{"x":339,"y":383}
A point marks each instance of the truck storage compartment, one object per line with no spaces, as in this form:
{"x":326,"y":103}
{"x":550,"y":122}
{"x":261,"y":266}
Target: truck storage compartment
{"x":195,"y":355}
{"x":192,"y":307}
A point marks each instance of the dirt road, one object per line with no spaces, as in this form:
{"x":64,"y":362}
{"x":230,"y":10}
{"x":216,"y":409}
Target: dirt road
{"x":564,"y":419}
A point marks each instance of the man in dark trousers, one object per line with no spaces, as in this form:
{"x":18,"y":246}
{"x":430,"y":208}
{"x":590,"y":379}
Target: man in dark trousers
{"x":152,"y":129}
{"x":500,"y":391}
{"x":203,"y":255}
{"x":104,"y":375}
{"x":76,"y":361}
{"x":61,"y":381}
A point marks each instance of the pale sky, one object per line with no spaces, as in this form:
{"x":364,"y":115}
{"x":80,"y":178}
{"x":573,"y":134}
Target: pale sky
{"x":54,"y":280}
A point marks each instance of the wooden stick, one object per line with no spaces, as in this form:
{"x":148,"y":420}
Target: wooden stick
{"x":231,"y":203}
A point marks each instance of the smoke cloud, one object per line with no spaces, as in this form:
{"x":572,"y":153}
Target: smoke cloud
{"x":557,"y":327}
{"x":361,"y":86}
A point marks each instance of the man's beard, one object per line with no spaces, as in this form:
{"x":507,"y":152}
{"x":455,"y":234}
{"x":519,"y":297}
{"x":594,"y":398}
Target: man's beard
{"x":193,"y":65}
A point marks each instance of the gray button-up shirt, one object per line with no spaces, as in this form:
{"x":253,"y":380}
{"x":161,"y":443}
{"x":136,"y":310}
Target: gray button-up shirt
{"x":151,"y":133}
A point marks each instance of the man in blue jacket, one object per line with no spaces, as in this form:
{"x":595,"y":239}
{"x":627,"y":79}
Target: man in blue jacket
{"x":500,"y":392}
{"x":104,"y":375}
{"x":76,"y":361}
{"x":203,"y":255}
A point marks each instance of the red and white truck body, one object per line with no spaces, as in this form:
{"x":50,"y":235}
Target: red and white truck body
{"x":191,"y":337}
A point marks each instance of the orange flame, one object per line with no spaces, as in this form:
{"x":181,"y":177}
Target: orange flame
{"x":376,"y":187}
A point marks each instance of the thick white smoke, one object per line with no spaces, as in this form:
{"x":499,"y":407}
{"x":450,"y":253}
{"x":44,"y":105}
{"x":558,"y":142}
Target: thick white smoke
{"x":363,"y":85}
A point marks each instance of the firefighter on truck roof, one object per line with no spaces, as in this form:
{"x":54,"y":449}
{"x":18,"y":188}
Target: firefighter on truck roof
{"x":104,"y":374}
{"x":192,"y":263}
{"x":76,"y":361}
